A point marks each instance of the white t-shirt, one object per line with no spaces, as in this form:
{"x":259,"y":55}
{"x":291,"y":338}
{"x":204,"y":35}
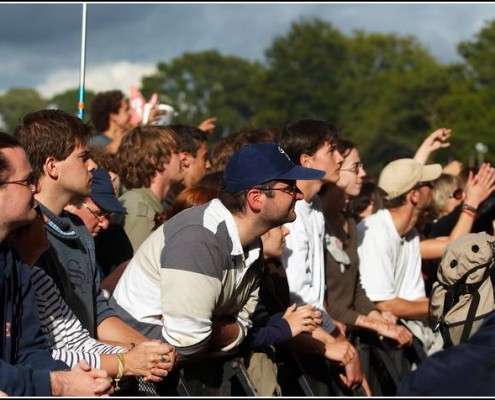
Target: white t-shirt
{"x":303,"y":255}
{"x":390,"y":266}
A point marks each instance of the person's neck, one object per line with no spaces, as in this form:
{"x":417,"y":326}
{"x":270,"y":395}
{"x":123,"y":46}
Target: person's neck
{"x":309,"y":188}
{"x":53,"y":200}
{"x":249,"y":229}
{"x":404,"y":218}
{"x":160,"y":188}
{"x":114,"y":132}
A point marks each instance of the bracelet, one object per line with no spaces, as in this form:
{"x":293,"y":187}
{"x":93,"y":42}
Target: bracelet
{"x":470,"y":208}
{"x":120,"y":358}
{"x":469,"y":212}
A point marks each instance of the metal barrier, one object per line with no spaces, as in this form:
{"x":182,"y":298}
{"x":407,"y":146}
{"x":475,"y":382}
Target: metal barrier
{"x":214,"y":374}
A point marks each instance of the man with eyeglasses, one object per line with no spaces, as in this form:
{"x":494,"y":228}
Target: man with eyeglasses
{"x":388,"y":247}
{"x":56,"y":145}
{"x":96,"y":209}
{"x":194,"y":281}
{"x":26,"y":365}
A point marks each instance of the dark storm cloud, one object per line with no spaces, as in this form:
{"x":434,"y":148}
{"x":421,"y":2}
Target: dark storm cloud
{"x":39,"y":40}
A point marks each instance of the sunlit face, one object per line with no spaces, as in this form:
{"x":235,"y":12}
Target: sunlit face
{"x":16,"y":199}
{"x":74,"y":173}
{"x":123,"y":117}
{"x":274,"y":241}
{"x":327,"y":158}
{"x":351,"y":174}
{"x":174,"y":169}
{"x":280,"y":208}
{"x":94,"y":218}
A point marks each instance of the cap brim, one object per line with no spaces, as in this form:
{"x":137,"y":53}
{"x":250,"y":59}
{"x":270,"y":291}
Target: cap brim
{"x":303,"y":174}
{"x":431,"y":172}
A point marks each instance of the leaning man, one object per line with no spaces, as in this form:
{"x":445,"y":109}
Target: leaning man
{"x":194,"y":282}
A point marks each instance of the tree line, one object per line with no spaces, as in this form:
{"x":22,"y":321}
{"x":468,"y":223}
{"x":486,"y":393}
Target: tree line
{"x":384,"y":91}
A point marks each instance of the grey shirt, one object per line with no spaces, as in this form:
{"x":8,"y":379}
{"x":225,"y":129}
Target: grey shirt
{"x":70,"y":262}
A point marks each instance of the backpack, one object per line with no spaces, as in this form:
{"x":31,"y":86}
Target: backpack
{"x":463,"y":294}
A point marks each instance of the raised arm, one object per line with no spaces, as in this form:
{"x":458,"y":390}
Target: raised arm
{"x":436,"y":140}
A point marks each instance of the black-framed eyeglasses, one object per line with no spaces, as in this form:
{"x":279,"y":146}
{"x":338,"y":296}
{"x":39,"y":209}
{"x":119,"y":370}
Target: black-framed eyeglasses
{"x":457,"y":194}
{"x":29,"y":181}
{"x":291,"y":189}
{"x":354,"y":169}
{"x":97,"y":214}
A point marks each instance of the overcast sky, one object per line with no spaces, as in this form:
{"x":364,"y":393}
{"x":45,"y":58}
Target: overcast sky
{"x":40,"y":44}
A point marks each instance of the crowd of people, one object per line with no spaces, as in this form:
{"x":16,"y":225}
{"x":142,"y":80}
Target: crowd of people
{"x":130,"y":252}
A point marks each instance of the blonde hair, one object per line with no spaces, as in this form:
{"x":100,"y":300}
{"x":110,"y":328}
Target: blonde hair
{"x":442,"y":187}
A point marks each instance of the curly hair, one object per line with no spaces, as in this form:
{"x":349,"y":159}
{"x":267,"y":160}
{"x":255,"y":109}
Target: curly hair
{"x":104,"y":104}
{"x":143,"y":151}
{"x":50,"y":133}
{"x":104,"y":160}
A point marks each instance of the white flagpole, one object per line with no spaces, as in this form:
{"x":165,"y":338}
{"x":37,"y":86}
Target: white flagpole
{"x":80,"y":105}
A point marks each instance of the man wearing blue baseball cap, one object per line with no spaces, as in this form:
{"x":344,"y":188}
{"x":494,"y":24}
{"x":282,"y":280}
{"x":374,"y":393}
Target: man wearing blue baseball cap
{"x":95,"y":210}
{"x":200,"y":271}
{"x":111,"y":243}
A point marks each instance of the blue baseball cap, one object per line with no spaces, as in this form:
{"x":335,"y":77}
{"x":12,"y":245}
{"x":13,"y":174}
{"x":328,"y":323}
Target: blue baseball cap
{"x":256,"y":164}
{"x":102,"y":192}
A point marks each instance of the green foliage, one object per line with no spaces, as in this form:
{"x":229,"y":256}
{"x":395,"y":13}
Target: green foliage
{"x":204,"y":84}
{"x":68,"y":101}
{"x":386,"y":92}
{"x":15,"y":103}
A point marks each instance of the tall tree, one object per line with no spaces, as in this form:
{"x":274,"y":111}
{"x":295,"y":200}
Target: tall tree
{"x":303,"y":80}
{"x":15,"y":103}
{"x":204,"y":84}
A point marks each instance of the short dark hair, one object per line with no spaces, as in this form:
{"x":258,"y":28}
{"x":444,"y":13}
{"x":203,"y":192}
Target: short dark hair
{"x":306,"y":136}
{"x":6,"y":142}
{"x":104,"y":104}
{"x":344,"y":146}
{"x":50,"y":133}
{"x":236,"y":202}
{"x":396,"y":202}
{"x":190,"y":137}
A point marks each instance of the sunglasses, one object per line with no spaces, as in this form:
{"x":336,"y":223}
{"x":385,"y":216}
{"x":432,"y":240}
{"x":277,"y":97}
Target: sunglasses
{"x":457,"y":194}
{"x":291,"y":189}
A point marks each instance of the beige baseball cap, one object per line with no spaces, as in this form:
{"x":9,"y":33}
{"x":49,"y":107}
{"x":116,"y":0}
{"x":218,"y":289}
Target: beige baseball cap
{"x":400,"y":176}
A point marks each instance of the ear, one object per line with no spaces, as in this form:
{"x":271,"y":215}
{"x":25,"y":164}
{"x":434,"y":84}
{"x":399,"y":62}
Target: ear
{"x":50,"y":167}
{"x":305,"y":160}
{"x":254,"y":199}
{"x":186,"y":159}
{"x":413,"y":196}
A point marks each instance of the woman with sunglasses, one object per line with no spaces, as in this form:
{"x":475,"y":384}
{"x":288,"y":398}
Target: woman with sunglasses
{"x":478,"y":188}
